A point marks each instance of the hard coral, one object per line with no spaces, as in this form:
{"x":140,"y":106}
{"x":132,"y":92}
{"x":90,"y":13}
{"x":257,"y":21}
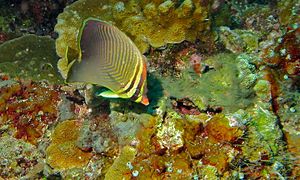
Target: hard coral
{"x":161,"y":153}
{"x":30,"y":57}
{"x":120,"y":169}
{"x":63,"y":152}
{"x":147,"y":23}
{"x":218,"y":129}
{"x":28,"y":107}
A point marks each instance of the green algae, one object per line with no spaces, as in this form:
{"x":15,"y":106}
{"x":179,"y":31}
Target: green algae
{"x":223,"y":86}
{"x":263,"y":90}
{"x":30,"y":57}
{"x":239,"y":40}
{"x":264,"y":137}
{"x":208,"y":172}
{"x":247,"y":70}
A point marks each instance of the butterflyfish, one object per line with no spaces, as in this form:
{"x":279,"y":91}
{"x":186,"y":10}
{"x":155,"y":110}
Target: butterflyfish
{"x":109,"y":58}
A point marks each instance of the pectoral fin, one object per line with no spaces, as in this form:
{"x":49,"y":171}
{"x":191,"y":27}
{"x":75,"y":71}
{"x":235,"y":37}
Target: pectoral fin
{"x":108,"y":94}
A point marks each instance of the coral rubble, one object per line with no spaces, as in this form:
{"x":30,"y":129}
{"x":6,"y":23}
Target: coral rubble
{"x":17,"y":158}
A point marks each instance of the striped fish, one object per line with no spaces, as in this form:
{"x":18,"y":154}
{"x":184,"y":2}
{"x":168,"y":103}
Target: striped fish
{"x":110,"y":59}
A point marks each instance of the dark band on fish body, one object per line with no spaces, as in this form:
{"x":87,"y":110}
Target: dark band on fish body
{"x":133,"y":80}
{"x":138,"y":88}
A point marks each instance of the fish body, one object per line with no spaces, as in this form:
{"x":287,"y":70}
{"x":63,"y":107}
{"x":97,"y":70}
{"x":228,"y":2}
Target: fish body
{"x":108,"y":58}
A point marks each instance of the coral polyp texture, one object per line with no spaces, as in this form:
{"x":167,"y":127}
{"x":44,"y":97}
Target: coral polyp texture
{"x":63,"y":152}
{"x":154,"y":23}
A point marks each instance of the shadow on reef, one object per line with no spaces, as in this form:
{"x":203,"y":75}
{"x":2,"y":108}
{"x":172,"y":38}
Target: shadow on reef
{"x":155,"y":93}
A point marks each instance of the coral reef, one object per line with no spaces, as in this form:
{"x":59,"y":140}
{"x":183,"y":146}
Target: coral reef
{"x":147,"y":23}
{"x":27,"y":107}
{"x":293,"y":147}
{"x":63,"y":152}
{"x":17,"y":157}
{"x":289,"y":12}
{"x":18,"y":17}
{"x":223,"y":80}
{"x":180,"y":151}
{"x":238,"y":40}
{"x":281,"y":68}
{"x":281,"y":63}
{"x":32,"y":57}
{"x":225,"y":84}
{"x":97,"y":134}
{"x":284,"y":54}
{"x":264,"y":135}
{"x":120,"y":169}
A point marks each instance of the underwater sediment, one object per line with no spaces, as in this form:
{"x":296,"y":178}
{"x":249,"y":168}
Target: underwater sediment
{"x":222,"y":83}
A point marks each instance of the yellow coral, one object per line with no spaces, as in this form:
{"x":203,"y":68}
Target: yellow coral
{"x":154,"y":23}
{"x":120,"y":169}
{"x":63,"y":152}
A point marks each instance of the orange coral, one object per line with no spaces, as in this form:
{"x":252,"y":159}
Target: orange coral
{"x":63,"y":152}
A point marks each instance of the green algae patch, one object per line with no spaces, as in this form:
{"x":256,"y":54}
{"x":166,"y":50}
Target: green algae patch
{"x":238,"y":40}
{"x":30,"y":57}
{"x":227,"y":85}
{"x":264,"y":137}
{"x":121,"y":168}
